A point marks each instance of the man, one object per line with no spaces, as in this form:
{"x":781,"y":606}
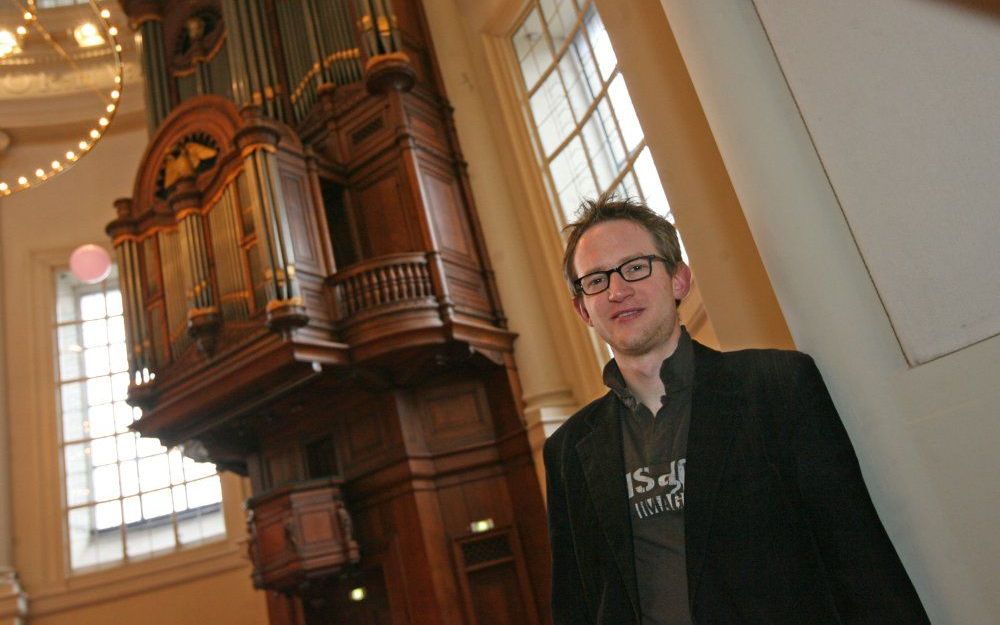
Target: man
{"x":705,"y":487}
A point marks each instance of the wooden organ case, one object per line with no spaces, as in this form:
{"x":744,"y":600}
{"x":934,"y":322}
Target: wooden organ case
{"x":309,"y":303}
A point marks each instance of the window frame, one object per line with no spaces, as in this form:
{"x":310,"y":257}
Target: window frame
{"x":123,"y":528}
{"x":525,"y":92}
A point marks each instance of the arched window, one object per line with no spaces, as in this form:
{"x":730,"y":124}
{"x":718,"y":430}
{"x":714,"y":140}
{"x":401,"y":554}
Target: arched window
{"x":126,"y":496}
{"x":588,"y":138}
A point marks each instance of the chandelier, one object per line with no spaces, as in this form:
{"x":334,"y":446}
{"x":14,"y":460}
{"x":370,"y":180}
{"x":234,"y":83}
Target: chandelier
{"x":78,"y":37}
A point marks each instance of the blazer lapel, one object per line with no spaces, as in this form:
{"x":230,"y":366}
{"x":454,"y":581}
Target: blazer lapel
{"x":600,"y":453}
{"x":714,"y":406}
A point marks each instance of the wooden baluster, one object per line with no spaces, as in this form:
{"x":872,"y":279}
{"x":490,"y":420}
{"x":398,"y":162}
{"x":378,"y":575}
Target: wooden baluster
{"x":394,"y":282}
{"x":351,"y":296}
{"x":425,"y":283}
{"x":358,"y":294}
{"x":411,"y":291}
{"x":367,"y":289}
{"x":381,"y":292}
{"x":377,"y":284}
{"x":386,"y":280}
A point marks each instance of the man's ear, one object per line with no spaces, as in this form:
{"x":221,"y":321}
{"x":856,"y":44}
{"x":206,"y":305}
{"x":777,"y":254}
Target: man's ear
{"x":581,"y":310}
{"x":680,"y":282}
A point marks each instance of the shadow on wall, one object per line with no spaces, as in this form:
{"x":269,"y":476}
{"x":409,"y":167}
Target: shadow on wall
{"x":986,"y":8}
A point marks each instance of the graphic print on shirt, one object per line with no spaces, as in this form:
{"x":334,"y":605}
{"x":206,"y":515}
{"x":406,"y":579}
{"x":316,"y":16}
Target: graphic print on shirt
{"x":656,"y":489}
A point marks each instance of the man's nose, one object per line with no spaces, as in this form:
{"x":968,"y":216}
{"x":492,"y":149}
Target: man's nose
{"x":618,"y":287}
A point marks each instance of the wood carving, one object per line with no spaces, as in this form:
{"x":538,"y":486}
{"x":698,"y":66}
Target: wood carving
{"x":186,"y":160}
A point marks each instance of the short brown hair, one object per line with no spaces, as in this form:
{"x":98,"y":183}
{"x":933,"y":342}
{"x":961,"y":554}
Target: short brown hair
{"x":609,"y":207}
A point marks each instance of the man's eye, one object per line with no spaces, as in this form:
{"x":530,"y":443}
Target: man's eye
{"x":635,"y":268}
{"x":592,"y":281}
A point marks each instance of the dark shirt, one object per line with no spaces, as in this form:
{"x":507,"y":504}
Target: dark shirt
{"x":655,"y":448}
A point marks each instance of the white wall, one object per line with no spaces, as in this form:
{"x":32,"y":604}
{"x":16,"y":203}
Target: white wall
{"x":900,"y":99}
{"x":925,"y":435}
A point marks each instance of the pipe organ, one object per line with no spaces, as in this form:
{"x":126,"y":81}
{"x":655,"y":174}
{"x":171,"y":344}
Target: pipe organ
{"x":309,"y":303}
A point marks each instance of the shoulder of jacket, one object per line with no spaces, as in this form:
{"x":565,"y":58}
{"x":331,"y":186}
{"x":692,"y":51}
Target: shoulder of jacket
{"x":768,"y":361}
{"x":768,"y":372}
{"x":573,"y":427}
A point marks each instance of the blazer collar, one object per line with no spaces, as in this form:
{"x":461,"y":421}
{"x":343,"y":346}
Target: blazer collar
{"x":715,"y":404}
{"x":600,"y":453}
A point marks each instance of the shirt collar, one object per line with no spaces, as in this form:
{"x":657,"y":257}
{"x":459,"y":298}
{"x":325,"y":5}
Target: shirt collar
{"x":676,"y":372}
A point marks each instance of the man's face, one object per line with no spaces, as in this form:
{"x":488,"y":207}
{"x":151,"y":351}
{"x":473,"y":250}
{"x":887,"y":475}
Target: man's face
{"x":635,"y":318}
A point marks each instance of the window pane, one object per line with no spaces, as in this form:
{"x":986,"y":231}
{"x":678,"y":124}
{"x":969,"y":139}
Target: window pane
{"x":72,"y":405}
{"x":572,"y":178}
{"x":82,"y":552}
{"x":106,"y":483}
{"x":92,"y":306}
{"x":133,"y":509}
{"x":533,"y":53}
{"x":627,"y":120}
{"x":77,"y":469}
{"x":606,"y":59}
{"x":123,"y":416}
{"x":129,"y":471}
{"x":114,"y":303}
{"x":577,"y":86}
{"x":116,"y":330}
{"x":95,"y":333}
{"x":628,"y":186}
{"x":157,"y":504}
{"x":649,"y":181}
{"x":143,"y":541}
{"x":176,"y":467}
{"x":70,"y":366}
{"x":98,"y":391}
{"x":180,"y":498}
{"x":126,"y":446}
{"x":153,"y":472}
{"x":551,"y":113}
{"x":66,"y":304}
{"x":560,"y":16}
{"x":108,"y":514}
{"x":204,"y":492}
{"x":100,"y":421}
{"x":147,"y":446}
{"x":194,"y":470}
{"x":119,"y":361}
{"x":119,"y":386}
{"x":204,"y":524}
{"x":604,"y":145}
{"x":103,"y":451}
{"x":96,"y":361}
{"x":70,"y":352}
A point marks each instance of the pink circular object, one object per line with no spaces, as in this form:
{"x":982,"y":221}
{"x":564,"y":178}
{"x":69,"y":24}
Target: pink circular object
{"x":90,"y":263}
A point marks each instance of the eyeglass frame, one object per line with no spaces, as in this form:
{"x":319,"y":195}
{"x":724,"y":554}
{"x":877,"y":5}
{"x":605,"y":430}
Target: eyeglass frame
{"x":649,"y":258}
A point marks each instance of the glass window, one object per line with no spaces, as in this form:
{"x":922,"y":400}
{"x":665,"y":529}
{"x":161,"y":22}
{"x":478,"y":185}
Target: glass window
{"x":51,"y":4}
{"x":126,"y":496}
{"x":588,"y":135}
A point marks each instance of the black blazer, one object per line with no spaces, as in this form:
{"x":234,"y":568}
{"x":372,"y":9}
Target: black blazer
{"x":779,"y":525}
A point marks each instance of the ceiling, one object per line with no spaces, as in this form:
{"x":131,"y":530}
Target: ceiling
{"x":46,"y":96}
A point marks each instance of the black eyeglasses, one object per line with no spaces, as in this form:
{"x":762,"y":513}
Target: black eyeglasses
{"x":632,"y":270}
